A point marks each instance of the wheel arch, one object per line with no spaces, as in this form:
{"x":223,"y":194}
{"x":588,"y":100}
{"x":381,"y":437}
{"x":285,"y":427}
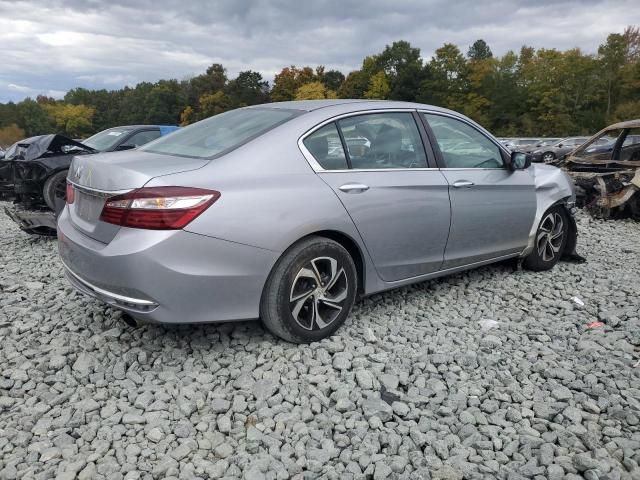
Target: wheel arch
{"x":349,"y":244}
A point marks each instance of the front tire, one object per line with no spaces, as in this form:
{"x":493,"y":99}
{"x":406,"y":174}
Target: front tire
{"x":310,"y":291}
{"x":55,"y":190}
{"x":550,"y":240}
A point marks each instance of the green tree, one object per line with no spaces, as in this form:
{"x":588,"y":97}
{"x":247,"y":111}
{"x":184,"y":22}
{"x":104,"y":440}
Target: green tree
{"x":611,"y":55}
{"x":33,"y":118}
{"x":378,"y":87}
{"x":333,"y":79}
{"x":248,"y":88}
{"x":479,"y":51}
{"x":213,"y":104}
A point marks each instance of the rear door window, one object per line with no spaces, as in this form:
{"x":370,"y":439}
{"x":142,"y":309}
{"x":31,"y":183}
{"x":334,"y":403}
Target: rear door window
{"x":383,"y":140}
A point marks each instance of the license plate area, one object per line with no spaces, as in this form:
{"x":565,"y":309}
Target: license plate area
{"x":88,"y":207}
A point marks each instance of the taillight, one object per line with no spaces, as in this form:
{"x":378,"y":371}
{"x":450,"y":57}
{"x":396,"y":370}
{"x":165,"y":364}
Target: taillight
{"x":71,"y":194}
{"x":158,"y":208}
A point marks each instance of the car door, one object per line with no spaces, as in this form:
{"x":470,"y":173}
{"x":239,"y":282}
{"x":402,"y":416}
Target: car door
{"x":377,"y":165}
{"x":492,"y":207}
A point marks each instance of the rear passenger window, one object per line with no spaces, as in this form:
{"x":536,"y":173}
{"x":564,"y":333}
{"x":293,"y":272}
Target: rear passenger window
{"x":383,"y":140}
{"x":325,"y":146}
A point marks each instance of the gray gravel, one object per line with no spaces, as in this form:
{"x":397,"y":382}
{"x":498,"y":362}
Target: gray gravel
{"x":413,"y":386}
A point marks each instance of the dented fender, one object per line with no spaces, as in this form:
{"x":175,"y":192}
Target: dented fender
{"x":553,"y":186}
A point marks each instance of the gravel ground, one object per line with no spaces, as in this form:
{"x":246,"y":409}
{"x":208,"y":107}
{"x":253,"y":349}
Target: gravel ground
{"x":416,"y":385}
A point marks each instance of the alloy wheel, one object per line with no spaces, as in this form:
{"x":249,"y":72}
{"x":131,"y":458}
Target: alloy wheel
{"x":318,"y":293}
{"x":547,"y":157}
{"x":550,"y":236}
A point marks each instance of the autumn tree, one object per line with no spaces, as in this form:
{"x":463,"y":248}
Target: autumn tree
{"x":10,"y":134}
{"x":314,"y":91}
{"x":289,"y":80}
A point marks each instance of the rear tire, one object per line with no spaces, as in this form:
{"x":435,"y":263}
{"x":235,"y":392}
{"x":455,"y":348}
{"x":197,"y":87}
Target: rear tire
{"x":548,"y":157}
{"x":55,"y":190}
{"x":310,"y":291}
{"x":550,"y":240}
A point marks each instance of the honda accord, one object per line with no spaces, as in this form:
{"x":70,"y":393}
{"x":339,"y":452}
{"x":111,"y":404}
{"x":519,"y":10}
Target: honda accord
{"x":289,"y":212}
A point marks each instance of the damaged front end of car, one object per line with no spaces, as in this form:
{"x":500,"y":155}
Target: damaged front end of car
{"x":24,"y":172}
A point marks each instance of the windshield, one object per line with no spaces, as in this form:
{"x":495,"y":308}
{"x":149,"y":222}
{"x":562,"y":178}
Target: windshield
{"x":106,"y":139}
{"x":221,"y":133}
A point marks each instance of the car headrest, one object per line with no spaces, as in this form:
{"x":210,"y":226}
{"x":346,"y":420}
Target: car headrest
{"x":388,"y":140}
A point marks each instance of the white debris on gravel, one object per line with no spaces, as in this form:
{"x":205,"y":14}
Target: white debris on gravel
{"x":410,"y":387}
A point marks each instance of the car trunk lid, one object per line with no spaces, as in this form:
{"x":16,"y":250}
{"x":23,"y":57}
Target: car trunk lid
{"x":96,"y":178}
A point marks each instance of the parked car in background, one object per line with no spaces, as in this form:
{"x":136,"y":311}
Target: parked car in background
{"x":557,"y":150}
{"x":34,"y":171}
{"x":520,"y":144}
{"x":544,"y":142}
{"x":290,"y":211}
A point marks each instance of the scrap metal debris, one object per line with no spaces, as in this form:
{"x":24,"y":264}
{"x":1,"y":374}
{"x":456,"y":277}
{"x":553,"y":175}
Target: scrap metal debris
{"x":606,"y":171}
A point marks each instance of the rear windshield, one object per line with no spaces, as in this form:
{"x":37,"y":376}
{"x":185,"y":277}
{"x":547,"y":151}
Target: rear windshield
{"x":105,"y":140}
{"x":221,"y":133}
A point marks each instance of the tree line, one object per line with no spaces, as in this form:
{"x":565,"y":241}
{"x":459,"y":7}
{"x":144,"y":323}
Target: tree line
{"x":526,"y":93}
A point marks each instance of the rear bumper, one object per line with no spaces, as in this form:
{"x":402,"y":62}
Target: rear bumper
{"x":167,"y":276}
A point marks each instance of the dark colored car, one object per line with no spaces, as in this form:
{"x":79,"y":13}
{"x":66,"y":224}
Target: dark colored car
{"x":34,"y":171}
{"x":557,"y":150}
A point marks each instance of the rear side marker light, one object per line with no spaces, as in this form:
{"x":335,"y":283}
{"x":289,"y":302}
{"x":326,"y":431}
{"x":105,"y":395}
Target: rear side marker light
{"x":71,"y":194}
{"x":158,"y":208}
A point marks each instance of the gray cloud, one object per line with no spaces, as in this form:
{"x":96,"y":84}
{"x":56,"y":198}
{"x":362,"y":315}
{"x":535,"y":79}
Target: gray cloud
{"x":49,"y":47}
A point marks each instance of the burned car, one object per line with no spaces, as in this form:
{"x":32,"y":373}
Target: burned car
{"x":34,"y":171}
{"x":606,"y":171}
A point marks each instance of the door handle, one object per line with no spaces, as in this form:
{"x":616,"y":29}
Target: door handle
{"x":463,"y":184}
{"x":354,"y":188}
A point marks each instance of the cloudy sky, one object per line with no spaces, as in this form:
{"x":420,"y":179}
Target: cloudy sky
{"x":54,"y":45}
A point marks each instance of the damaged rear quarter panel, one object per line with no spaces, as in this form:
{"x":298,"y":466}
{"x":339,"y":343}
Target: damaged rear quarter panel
{"x":552,"y":186}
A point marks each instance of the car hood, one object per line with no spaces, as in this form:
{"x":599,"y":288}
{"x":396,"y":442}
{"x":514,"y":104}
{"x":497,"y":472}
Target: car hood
{"x":33,"y":148}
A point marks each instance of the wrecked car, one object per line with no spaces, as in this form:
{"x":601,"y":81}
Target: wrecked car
{"x":34,"y":171}
{"x":606,"y":171}
{"x":31,"y":168}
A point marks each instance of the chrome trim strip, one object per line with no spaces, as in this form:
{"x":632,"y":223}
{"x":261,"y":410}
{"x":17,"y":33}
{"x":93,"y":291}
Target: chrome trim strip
{"x":318,"y":168}
{"x":96,"y":192}
{"x":106,"y":293}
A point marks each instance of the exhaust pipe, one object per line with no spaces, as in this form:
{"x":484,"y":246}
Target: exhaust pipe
{"x":129,"y":320}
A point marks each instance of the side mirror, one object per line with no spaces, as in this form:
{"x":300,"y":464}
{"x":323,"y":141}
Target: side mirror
{"x":119,"y":148}
{"x":520,"y":161}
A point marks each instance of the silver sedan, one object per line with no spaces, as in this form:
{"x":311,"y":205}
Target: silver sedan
{"x":289,"y":212}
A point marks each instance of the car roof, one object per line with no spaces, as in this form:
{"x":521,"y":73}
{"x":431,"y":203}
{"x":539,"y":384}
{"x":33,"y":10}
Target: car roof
{"x":627,"y":124}
{"x":348,"y":105}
